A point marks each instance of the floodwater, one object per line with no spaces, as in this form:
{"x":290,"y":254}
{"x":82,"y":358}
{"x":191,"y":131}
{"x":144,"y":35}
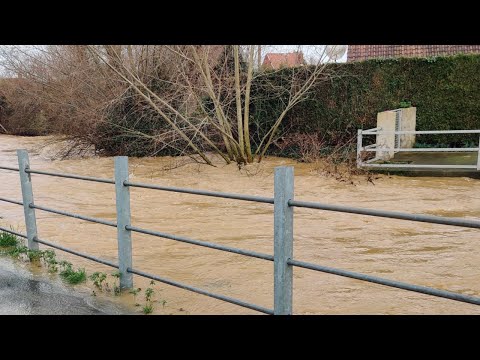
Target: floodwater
{"x":439,"y":256}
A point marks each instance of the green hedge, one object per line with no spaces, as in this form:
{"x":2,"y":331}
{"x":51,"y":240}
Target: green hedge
{"x":445,"y":90}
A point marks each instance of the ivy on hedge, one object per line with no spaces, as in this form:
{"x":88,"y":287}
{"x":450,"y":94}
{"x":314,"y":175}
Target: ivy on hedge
{"x":445,"y":90}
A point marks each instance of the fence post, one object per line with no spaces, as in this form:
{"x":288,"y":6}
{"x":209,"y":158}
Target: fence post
{"x":124,"y":236}
{"x":359,"y":148}
{"x":27,"y":197}
{"x":283,"y":240}
{"x":478,"y":155}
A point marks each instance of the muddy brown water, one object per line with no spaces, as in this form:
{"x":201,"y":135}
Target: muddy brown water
{"x":434,"y":255}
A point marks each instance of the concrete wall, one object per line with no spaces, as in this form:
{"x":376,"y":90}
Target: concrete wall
{"x":409,"y":122}
{"x":386,"y":121}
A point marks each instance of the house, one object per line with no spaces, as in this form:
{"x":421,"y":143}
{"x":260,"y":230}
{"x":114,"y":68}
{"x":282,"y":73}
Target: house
{"x":275,"y":61}
{"x":364,"y":52}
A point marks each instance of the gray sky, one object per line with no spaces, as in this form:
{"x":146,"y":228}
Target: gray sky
{"x":310,"y":52}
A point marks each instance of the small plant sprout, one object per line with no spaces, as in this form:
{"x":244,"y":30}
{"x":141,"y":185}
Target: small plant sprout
{"x":98,"y":279}
{"x":135,"y":292}
{"x":149,"y":292}
{"x":147,"y":309}
{"x":116,"y":287}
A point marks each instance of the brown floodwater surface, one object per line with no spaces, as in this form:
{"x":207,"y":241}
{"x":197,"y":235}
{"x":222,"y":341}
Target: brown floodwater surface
{"x":439,"y":256}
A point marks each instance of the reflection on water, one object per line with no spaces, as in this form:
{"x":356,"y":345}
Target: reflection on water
{"x":424,"y":254}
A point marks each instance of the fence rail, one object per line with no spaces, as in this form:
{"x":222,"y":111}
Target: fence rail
{"x":379,"y":148}
{"x":282,"y":258}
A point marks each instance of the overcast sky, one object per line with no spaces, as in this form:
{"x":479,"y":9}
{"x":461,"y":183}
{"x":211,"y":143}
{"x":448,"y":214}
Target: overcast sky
{"x":310,"y":52}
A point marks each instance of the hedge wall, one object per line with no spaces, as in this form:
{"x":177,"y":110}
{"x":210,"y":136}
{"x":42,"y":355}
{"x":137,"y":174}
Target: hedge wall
{"x":445,"y":90}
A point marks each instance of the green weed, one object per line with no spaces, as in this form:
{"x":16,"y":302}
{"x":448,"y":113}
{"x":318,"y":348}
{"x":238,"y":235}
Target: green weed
{"x":116,"y":286}
{"x":8,"y":240}
{"x":70,"y":275}
{"x":34,"y":255}
{"x":135,"y":292}
{"x":98,"y":279}
{"x":149,"y":292}
{"x":49,"y":258}
{"x":147,"y":309}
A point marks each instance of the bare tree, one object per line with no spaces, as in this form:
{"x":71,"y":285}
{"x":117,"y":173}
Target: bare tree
{"x":201,"y":96}
{"x":223,"y":74}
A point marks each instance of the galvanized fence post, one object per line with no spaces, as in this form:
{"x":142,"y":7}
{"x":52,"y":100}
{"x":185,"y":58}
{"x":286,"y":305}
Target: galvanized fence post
{"x":124,"y":236}
{"x":478,"y":155}
{"x":283,"y":240}
{"x":27,"y":196}
{"x":359,"y":148}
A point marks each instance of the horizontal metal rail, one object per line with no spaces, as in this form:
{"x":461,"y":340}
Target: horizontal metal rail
{"x":253,"y":198}
{"x":389,"y":214}
{"x":369,"y":161}
{"x":203,"y":292}
{"x":8,"y":168}
{"x":11,"y":201}
{"x":421,"y":149}
{"x":86,"y":256}
{"x":71,"y":176}
{"x":369,"y":147}
{"x":391,"y":283}
{"x":371,"y":130}
{"x":13,"y":232}
{"x":422,"y":166}
{"x":419,"y":132}
{"x":201,"y":243}
{"x":76,"y":216}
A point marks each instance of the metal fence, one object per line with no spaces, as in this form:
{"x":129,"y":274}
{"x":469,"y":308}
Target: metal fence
{"x":361,"y":150}
{"x":283,"y":202}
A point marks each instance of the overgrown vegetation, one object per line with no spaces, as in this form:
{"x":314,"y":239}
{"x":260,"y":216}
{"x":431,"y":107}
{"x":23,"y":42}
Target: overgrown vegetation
{"x":190,"y":100}
{"x":445,"y":90}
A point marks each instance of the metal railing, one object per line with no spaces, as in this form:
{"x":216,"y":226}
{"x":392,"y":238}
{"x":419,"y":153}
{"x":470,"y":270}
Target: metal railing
{"x":376,"y":148}
{"x":283,"y":258}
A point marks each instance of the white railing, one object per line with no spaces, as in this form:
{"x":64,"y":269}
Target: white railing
{"x":361,"y":150}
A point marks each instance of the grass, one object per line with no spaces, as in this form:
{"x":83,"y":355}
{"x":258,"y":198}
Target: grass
{"x":72,"y":276}
{"x":34,"y":255}
{"x":16,"y":251}
{"x":7,"y":239}
{"x":147,"y":309}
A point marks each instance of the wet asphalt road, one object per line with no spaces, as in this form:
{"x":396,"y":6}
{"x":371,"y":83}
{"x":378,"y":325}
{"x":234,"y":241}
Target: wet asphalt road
{"x":23,"y":293}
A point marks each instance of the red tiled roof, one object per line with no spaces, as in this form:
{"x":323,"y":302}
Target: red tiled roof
{"x":364,"y":52}
{"x":278,"y":60}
